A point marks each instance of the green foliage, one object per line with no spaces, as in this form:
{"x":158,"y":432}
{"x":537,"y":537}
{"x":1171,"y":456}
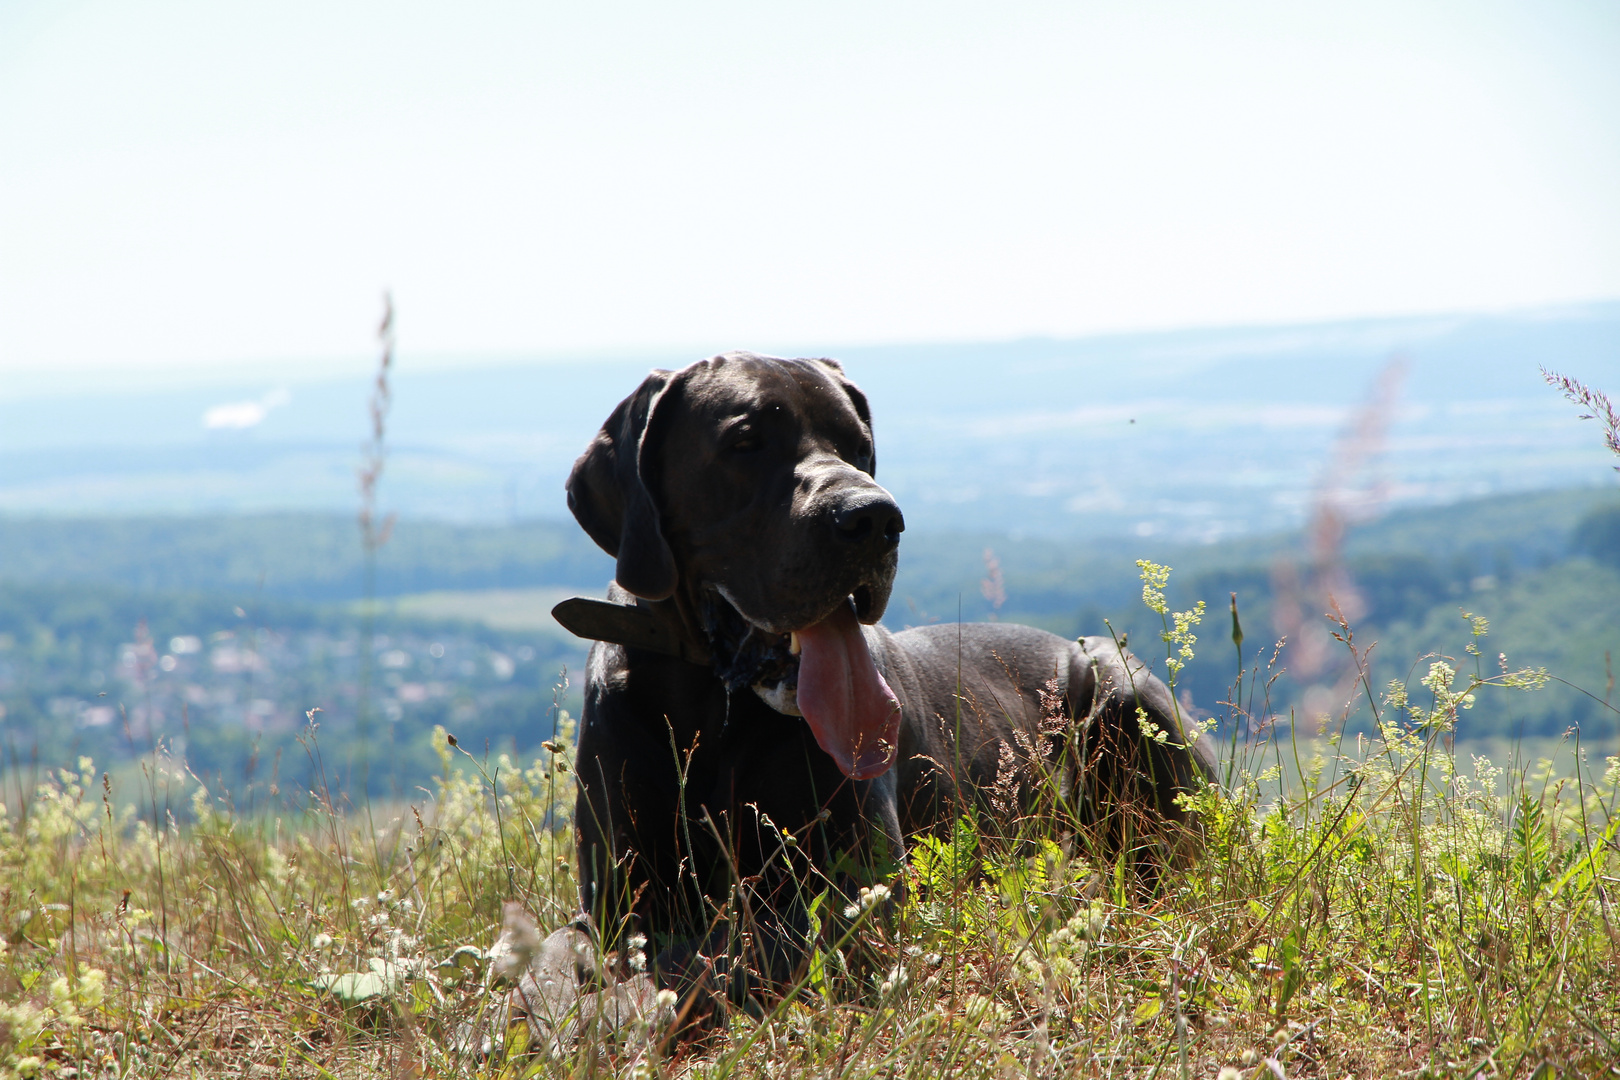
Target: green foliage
{"x":312,"y":557}
{"x":64,"y":620}
{"x":323,"y":927}
{"x":1531,"y":847}
{"x":1505,"y":557}
{"x":87,"y":670}
{"x":937,"y":863}
{"x":1598,"y":535}
{"x":1560,"y":618}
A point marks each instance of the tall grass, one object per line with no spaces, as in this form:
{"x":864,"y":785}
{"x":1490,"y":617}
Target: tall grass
{"x":374,"y":534}
{"x":1364,"y":906}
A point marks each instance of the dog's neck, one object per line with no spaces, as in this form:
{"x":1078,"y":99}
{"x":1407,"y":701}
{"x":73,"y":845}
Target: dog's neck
{"x":680,"y":616}
{"x":709,"y":633}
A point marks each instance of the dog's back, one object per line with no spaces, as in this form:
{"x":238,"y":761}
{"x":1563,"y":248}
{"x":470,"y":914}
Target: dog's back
{"x":1024,"y":720}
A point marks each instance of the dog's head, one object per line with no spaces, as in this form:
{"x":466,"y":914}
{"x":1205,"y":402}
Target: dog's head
{"x":742,"y":487}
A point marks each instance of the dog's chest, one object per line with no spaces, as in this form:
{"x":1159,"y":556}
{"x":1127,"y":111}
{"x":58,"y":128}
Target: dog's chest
{"x":721,"y":749}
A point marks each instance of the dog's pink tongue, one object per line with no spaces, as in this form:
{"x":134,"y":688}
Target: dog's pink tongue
{"x":851,"y":710}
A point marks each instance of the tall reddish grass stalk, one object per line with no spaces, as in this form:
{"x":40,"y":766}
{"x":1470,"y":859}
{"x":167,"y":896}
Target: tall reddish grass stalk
{"x":1596,"y":400}
{"x":373,"y":533}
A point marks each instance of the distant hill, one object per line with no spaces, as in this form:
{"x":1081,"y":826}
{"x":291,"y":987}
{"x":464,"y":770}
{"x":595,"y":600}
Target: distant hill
{"x":317,"y":557}
{"x":296,"y":556}
{"x":1052,"y":581}
{"x":1543,"y":568}
{"x":1191,"y":435}
{"x":471,"y":647}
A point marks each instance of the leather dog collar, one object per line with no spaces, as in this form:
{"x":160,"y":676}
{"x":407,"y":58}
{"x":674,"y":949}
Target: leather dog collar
{"x":624,"y":624}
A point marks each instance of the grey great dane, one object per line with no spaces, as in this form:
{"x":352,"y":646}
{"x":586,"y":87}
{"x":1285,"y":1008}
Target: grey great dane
{"x":752,"y":734}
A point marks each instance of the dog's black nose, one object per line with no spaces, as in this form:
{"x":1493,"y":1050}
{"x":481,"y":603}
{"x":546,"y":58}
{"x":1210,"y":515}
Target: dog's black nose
{"x":869,"y":519}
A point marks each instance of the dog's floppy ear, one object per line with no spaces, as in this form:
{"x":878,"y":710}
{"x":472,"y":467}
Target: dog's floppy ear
{"x":858,"y":399}
{"x":610,"y":500}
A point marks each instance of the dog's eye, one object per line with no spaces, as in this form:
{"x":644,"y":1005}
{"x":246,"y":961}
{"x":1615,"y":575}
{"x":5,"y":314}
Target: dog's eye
{"x":745,"y":444}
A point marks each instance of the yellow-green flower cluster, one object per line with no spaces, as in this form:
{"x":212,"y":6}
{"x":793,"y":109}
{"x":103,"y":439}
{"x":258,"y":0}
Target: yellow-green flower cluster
{"x":23,"y":1025}
{"x":1154,"y":579}
{"x":1182,"y":638}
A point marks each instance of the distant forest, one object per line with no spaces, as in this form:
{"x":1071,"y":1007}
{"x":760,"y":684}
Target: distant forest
{"x":262,"y":612}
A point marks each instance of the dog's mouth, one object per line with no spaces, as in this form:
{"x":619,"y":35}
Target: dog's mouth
{"x":823,"y":671}
{"x":860,"y":599}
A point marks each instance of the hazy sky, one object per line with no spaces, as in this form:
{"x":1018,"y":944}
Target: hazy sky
{"x":230,"y":183}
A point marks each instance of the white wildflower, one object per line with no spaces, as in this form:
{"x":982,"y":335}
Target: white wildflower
{"x":868,"y":899}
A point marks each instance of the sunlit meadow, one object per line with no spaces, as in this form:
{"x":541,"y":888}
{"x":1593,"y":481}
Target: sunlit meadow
{"x":1364,"y":906}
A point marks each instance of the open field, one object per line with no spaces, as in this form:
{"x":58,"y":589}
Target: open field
{"x":1383,"y":907}
{"x":527,"y":610}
